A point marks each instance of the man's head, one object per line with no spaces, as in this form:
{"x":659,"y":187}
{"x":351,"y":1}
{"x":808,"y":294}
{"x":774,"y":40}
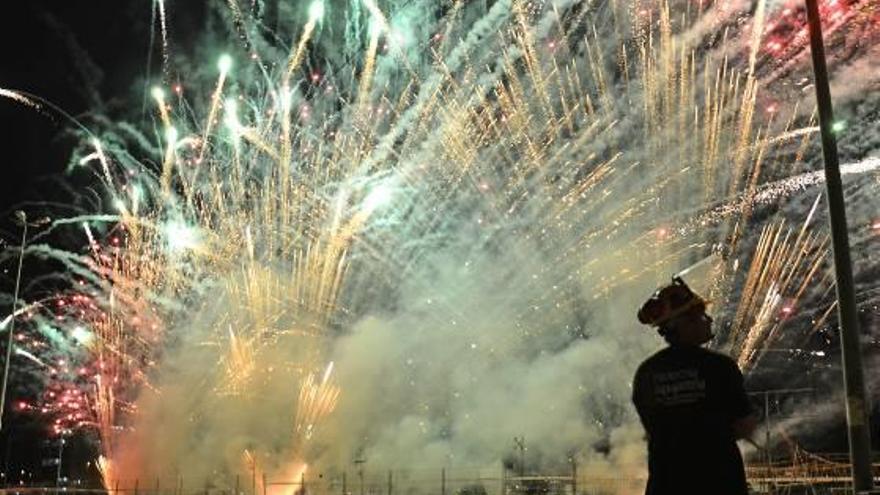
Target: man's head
{"x":679,"y":314}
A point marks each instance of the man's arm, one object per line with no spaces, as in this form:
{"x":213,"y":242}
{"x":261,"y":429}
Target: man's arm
{"x":744,"y":427}
{"x":638,"y":396}
{"x":744,"y":418}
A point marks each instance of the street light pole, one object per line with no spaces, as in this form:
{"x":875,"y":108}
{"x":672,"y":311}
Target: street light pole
{"x":853,"y":375}
{"x":22,"y":218}
{"x":61,"y":443}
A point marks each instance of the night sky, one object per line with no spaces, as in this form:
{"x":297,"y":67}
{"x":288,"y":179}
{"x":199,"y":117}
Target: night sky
{"x":81,"y":55}
{"x":40,"y":43}
{"x":67,"y":52}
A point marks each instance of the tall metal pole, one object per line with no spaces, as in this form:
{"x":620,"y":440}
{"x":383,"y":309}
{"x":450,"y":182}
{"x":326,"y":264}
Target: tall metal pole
{"x":61,"y":443}
{"x":767,"y":449}
{"x":520,"y":443}
{"x":853,"y":375}
{"x":23,"y":219}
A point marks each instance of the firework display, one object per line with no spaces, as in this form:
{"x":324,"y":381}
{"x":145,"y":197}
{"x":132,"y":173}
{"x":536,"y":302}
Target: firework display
{"x":414,"y":230}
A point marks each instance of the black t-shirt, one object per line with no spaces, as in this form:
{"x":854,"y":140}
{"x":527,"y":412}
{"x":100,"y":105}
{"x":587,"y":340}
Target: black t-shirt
{"x":688,"y":399}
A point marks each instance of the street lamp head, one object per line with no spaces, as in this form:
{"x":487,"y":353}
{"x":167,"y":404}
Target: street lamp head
{"x":20,"y":218}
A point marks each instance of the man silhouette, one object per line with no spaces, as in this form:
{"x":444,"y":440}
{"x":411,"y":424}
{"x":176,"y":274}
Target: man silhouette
{"x":691,"y":402}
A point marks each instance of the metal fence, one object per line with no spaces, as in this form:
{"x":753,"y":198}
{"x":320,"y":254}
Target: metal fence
{"x":816,"y":478}
{"x":390,"y":482}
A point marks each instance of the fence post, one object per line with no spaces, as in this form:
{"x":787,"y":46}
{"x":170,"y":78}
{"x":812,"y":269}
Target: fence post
{"x":442,"y":481}
{"x":503,"y":480}
{"x":389,"y":482}
{"x":344,"y":485}
{"x":265,"y":485}
{"x":136,"y":483}
{"x":574,"y":476}
{"x":237,"y":484}
{"x":116,"y":487}
{"x":302,"y":482}
{"x":157,"y":485}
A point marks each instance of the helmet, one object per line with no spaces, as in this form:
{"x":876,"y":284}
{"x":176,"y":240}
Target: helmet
{"x":668,"y":302}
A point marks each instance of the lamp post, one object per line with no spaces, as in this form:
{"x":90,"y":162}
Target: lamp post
{"x":21,"y":219}
{"x":853,"y":375}
{"x":61,"y":442}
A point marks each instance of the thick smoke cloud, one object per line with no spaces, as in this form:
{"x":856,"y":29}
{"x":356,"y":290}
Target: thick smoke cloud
{"x":468,"y":361}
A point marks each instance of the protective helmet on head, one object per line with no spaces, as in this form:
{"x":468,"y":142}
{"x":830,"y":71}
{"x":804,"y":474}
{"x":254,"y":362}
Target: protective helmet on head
{"x":669,"y":302}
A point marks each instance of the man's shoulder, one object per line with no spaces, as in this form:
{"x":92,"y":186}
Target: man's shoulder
{"x":654,"y":360}
{"x":677,"y":355}
{"x":718,"y":359}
